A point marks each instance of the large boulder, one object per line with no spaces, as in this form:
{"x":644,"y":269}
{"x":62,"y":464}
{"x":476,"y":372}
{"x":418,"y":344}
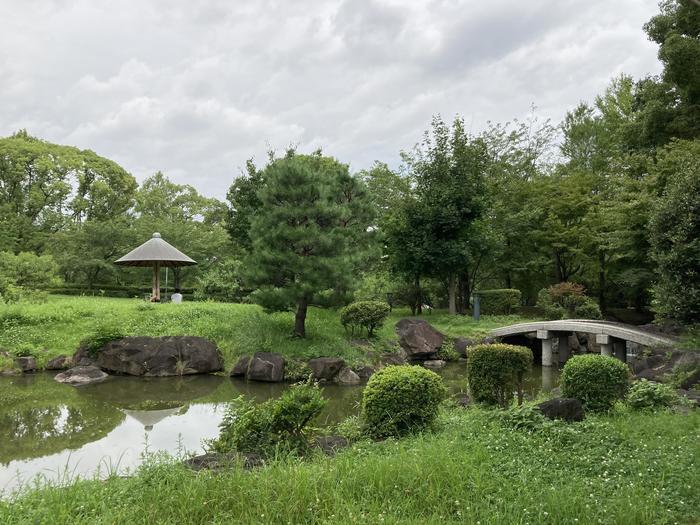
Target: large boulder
{"x":267,"y":367}
{"x":461,"y":344}
{"x":662,"y":365}
{"x":566,"y":408}
{"x":81,"y":375}
{"x":326,"y":368}
{"x":240,"y":369}
{"x":60,"y":362}
{"x":26,"y":364}
{"x":418,"y":339}
{"x":347,"y":377}
{"x":160,"y":356}
{"x":393,"y":358}
{"x":364,"y":371}
{"x":82,"y":357}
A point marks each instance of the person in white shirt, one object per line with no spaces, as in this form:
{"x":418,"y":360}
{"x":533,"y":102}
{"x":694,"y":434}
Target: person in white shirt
{"x":176,"y":297}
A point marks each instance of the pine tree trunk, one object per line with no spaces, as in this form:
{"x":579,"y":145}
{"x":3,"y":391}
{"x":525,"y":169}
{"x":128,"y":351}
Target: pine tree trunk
{"x":300,"y":318}
{"x":452,"y":293}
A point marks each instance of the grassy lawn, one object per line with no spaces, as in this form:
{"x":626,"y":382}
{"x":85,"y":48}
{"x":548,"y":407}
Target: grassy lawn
{"x":57,"y":327}
{"x":623,"y":468}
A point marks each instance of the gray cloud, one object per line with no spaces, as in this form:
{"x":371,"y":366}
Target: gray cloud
{"x":196,"y":88}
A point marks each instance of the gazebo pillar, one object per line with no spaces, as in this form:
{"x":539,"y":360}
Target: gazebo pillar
{"x":156,"y":281}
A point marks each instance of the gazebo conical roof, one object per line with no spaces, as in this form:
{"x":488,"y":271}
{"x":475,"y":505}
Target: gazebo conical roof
{"x":155,"y":251}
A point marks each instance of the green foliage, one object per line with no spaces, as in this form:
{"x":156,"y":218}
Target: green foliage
{"x":308,"y":234}
{"x":447,"y":351}
{"x":499,"y":302}
{"x":367,"y":315}
{"x":296,"y":370}
{"x":401,"y":399}
{"x":495,"y":371}
{"x":597,"y":381}
{"x":675,"y":233}
{"x":275,"y":426}
{"x":435,"y":230}
{"x":567,"y":301}
{"x":222,"y":282}
{"x":645,"y":394}
{"x":524,"y":417}
{"x":104,"y":333}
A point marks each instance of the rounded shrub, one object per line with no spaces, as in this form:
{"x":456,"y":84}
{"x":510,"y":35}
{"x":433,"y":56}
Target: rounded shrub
{"x":496,"y":371}
{"x":367,"y":315}
{"x":401,"y":399}
{"x":499,"y":302}
{"x":595,"y":380}
{"x":645,"y":394}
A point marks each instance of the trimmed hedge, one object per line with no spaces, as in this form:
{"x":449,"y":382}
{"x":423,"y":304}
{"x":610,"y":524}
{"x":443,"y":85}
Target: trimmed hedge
{"x":495,"y":371}
{"x":367,"y":315}
{"x":595,"y":380}
{"x":401,"y":399}
{"x":499,"y":302}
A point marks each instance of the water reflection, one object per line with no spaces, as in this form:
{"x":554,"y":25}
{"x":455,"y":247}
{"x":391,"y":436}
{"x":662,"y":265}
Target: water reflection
{"x":49,"y":429}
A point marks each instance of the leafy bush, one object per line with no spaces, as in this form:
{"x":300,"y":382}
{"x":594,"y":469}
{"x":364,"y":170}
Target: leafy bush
{"x":9,"y":293}
{"x":295,"y":370}
{"x":524,"y":417}
{"x":103,"y":334}
{"x":595,"y":380}
{"x":401,"y":399}
{"x":499,"y":302}
{"x":567,"y":300}
{"x":495,"y":371}
{"x":369,"y":315}
{"x":24,"y":350}
{"x":447,"y":352}
{"x":277,"y":425}
{"x":645,"y":394}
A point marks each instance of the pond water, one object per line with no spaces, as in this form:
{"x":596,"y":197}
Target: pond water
{"x":55,"y":432}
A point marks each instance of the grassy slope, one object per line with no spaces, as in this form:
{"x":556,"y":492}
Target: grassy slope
{"x":57,"y":327}
{"x":625,"y":468}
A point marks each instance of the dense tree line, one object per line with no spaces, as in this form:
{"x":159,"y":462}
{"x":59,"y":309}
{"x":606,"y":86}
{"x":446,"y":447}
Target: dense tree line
{"x":607,"y":199}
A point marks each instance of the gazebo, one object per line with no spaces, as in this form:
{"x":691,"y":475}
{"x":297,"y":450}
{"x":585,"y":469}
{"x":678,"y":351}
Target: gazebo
{"x":157,"y":253}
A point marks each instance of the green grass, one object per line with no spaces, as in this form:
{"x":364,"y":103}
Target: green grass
{"x":623,"y":468}
{"x":58,"y":326}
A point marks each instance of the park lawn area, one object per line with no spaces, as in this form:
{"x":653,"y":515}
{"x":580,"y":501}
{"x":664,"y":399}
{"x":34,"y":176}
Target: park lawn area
{"x":623,"y":468}
{"x":56,"y":327}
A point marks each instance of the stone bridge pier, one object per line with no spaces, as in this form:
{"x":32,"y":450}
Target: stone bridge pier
{"x":609,"y":346}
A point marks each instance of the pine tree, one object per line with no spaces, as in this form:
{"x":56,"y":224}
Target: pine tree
{"x":308,"y":233}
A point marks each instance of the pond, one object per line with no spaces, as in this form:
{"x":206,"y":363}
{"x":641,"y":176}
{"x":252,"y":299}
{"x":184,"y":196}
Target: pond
{"x":55,"y":432}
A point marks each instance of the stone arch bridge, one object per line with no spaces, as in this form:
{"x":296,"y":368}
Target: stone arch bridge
{"x":612,"y":337}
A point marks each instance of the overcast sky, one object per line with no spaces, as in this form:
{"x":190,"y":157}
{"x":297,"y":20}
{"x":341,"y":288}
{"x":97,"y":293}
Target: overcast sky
{"x":196,"y":87}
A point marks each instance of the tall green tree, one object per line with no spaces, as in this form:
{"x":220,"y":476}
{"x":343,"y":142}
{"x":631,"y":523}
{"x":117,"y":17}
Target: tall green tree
{"x":675,"y":233}
{"x":448,"y":169}
{"x":308,"y":233}
{"x":44,"y":187}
